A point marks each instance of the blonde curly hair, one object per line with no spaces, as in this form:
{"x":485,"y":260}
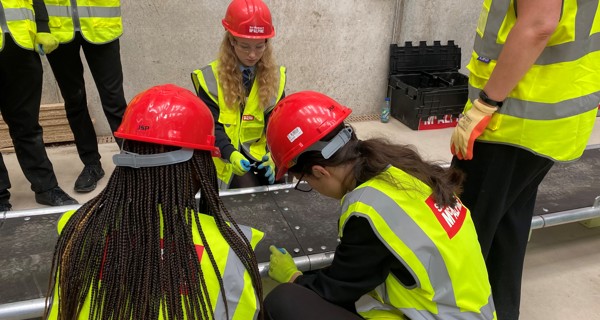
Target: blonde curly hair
{"x":230,"y":76}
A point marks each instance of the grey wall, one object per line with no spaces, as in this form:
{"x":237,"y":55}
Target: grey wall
{"x":336,"y":47}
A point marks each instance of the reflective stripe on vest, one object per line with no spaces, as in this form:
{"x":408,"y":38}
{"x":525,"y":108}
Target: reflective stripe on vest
{"x":572,"y":40}
{"x":84,"y":12}
{"x":99,"y":24}
{"x":408,"y":227}
{"x":17,"y":19}
{"x":247,"y":134}
{"x":553,"y":121}
{"x":234,"y":272}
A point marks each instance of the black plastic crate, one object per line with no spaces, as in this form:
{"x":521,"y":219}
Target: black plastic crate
{"x":426,"y":89}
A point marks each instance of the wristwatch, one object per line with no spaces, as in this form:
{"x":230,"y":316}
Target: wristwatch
{"x":484,"y":97}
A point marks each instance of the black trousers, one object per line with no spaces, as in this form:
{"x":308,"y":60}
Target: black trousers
{"x":104,"y":61}
{"x":500,"y":190}
{"x":290,"y":301}
{"x":20,"y":97}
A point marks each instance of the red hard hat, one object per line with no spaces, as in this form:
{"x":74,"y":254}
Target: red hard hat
{"x":298,"y":121}
{"x":249,"y":19}
{"x":169,"y":115}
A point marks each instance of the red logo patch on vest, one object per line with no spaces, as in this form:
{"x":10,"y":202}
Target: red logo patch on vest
{"x":451,"y":218}
{"x":247,"y":117}
{"x":199,"y":251}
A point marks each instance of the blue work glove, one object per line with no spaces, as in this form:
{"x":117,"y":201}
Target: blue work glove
{"x":241,"y":165}
{"x":281,"y":266}
{"x":267,"y":162}
{"x":45,"y":42}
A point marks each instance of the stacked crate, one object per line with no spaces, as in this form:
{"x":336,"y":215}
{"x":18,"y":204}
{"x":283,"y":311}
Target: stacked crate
{"x":425,"y":87}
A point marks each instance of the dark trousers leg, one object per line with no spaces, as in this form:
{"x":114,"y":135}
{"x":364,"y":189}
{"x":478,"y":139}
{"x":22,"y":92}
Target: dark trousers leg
{"x":20,"y":97}
{"x":290,"y":301}
{"x":500,"y":190}
{"x":66,"y":65}
{"x":104,"y":61}
{"x":4,"y":179}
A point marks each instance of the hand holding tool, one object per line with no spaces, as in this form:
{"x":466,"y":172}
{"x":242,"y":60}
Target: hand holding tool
{"x":282,"y":267}
{"x":241,"y":165}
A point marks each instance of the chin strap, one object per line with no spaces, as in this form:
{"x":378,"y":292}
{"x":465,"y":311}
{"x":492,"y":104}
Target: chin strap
{"x":329,"y":148}
{"x":134,"y":160}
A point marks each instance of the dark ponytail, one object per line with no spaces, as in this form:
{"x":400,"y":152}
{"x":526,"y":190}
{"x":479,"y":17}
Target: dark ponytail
{"x":371,"y":157}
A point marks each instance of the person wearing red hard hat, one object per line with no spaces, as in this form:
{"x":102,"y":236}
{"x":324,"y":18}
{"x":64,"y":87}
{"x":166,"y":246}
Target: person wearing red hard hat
{"x":143,"y":248}
{"x":241,"y":88}
{"x":405,"y":238}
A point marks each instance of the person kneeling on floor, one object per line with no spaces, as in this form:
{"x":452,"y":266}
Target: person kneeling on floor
{"x":408,"y":246}
{"x":143,"y":248}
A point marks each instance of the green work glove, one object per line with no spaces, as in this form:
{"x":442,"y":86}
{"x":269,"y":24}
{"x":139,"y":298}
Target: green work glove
{"x":241,"y":165}
{"x":282,"y":267}
{"x":45,"y":42}
{"x":267,"y":162}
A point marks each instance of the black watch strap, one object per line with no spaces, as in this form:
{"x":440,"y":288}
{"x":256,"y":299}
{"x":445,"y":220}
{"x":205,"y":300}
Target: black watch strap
{"x":484,"y":97}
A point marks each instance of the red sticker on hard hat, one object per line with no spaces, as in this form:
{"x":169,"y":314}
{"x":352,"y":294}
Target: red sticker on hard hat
{"x":247,"y":117}
{"x":451,"y":218}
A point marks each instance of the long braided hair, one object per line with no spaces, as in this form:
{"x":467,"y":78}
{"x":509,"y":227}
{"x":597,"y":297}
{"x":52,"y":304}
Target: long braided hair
{"x":109,"y":249}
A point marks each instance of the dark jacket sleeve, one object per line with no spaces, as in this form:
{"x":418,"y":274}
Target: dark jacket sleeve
{"x":222,"y":141}
{"x":41,"y":16}
{"x":361,"y":263}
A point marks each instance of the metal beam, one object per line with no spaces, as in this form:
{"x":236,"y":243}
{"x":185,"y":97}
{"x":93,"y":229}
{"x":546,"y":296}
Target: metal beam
{"x":23,"y":309}
{"x":35,"y":308}
{"x":61,"y":209}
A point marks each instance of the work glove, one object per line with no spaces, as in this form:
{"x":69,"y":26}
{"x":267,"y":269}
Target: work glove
{"x":45,"y":42}
{"x":470,"y":126}
{"x":281,"y":266}
{"x":241,"y":165}
{"x":267,"y":162}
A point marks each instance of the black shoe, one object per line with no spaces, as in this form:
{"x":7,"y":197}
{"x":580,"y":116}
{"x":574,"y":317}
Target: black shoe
{"x":5,"y":206}
{"x":54,"y":197}
{"x":88,"y":177}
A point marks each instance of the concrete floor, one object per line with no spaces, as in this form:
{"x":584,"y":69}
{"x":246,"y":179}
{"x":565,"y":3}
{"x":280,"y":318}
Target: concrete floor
{"x":562,"y":267}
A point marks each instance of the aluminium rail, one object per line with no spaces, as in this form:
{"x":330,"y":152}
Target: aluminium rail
{"x":35,"y":308}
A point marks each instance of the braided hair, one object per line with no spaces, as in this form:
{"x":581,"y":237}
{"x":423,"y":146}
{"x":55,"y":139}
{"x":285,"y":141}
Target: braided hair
{"x":108,"y":250}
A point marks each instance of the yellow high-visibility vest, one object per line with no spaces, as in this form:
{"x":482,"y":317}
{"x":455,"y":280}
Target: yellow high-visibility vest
{"x":246,"y":131}
{"x":242,"y":300}
{"x":100,"y":20}
{"x":20,"y":23}
{"x":437,"y":245}
{"x":551,"y":112}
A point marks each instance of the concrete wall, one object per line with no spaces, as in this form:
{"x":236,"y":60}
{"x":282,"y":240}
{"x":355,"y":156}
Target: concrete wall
{"x":340,"y":48}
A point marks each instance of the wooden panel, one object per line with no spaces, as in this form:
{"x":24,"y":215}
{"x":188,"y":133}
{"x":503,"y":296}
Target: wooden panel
{"x":53,"y":120}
